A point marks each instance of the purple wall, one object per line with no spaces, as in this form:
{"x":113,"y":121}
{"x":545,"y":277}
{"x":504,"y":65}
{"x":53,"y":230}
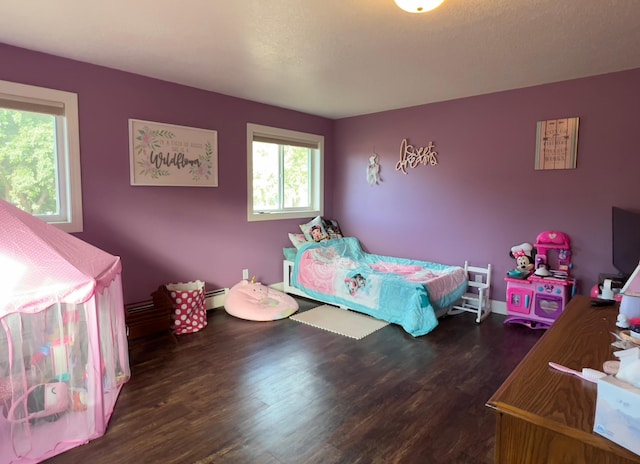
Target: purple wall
{"x":167,"y":234}
{"x":484,"y":196}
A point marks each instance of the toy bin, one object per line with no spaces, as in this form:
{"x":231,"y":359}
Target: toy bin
{"x":190,"y":310}
{"x":63,"y":346}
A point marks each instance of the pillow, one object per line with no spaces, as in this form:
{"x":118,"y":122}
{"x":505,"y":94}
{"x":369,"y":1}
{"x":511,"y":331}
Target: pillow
{"x":314,"y":230}
{"x":332,"y":228}
{"x":297,"y":240}
{"x":290,"y":253}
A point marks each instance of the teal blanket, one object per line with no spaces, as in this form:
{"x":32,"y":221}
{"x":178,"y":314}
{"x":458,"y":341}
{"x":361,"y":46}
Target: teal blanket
{"x":397,"y":290}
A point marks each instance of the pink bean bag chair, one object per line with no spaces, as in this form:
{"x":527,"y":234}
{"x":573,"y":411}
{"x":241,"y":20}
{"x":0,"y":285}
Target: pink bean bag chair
{"x":256,"y":302}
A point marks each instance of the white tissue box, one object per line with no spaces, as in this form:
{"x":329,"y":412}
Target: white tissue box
{"x":618,"y":413}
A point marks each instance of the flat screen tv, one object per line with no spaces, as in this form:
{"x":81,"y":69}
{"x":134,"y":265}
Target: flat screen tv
{"x":626,"y":240}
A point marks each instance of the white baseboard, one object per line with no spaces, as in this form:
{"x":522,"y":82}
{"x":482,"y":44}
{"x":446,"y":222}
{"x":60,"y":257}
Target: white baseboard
{"x":499,"y":307}
{"x":215,"y":299}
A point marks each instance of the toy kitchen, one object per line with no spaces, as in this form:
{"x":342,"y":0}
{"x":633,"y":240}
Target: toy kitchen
{"x":538,"y":294}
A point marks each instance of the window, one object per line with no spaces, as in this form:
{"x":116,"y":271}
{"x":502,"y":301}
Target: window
{"x":285,"y":173}
{"x":40,"y":153}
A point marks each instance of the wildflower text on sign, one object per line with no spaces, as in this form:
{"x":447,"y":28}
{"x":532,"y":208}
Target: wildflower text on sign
{"x":170,"y":155}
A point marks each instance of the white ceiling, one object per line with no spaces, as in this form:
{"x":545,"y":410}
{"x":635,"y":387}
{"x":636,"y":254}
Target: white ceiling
{"x":336,"y":58}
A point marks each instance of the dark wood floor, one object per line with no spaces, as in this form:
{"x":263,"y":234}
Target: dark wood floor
{"x":284,"y":392}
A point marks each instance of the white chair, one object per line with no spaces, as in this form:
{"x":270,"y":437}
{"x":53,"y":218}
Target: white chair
{"x":476,"y":299}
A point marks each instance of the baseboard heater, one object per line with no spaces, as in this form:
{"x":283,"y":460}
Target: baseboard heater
{"x":215,"y":298}
{"x":153,"y":317}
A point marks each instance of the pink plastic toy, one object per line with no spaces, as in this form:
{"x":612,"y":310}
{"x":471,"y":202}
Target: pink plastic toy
{"x":538,"y":300}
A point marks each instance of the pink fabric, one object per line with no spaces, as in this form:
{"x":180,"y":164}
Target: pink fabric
{"x":41,"y":265}
{"x":316,"y":274}
{"x":49,"y":282}
{"x":190,"y":311}
{"x":257,"y":302}
{"x":7,"y":386}
{"x":319,"y":270}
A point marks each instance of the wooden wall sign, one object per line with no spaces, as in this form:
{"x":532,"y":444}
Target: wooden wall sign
{"x":557,"y":144}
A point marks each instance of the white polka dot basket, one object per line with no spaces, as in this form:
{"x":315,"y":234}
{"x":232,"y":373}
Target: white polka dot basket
{"x":190,"y":311}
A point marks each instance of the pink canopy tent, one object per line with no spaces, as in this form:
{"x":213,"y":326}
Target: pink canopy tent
{"x":63,"y":345}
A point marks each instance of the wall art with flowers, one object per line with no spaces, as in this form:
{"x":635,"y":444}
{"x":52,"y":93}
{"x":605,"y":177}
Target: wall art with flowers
{"x":170,"y":155}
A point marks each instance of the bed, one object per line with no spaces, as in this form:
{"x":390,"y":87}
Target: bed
{"x":410,"y":293}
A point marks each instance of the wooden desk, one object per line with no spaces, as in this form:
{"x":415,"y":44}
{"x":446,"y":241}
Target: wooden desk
{"x":545,"y":416}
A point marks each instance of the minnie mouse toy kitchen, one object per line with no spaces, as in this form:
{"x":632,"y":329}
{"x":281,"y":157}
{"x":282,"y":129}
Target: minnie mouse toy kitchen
{"x":540,"y":287}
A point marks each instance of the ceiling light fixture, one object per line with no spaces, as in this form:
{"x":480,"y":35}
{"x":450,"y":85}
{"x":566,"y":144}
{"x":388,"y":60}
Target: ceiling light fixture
{"x":418,"y":6}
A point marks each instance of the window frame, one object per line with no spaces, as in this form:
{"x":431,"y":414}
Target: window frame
{"x":316,"y":175}
{"x":64,"y":105}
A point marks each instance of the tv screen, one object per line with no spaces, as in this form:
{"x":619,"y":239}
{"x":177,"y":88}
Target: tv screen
{"x":626,"y":240}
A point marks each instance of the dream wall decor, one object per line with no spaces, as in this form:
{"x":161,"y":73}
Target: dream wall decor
{"x":411,"y":156}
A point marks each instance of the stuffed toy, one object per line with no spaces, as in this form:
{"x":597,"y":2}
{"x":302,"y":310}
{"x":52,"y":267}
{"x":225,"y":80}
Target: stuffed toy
{"x":523,"y":254}
{"x":256,"y":302}
{"x":43,"y":401}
